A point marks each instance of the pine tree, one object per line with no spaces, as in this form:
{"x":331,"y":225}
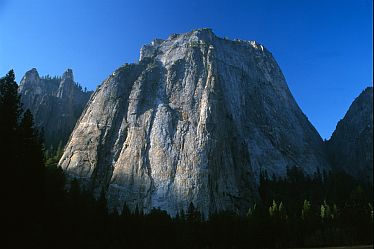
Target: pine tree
{"x":273,"y":209}
{"x":10,"y":105}
{"x":193,"y":215}
{"x":10,"y":110}
{"x":31,"y":164}
{"x":306,"y":211}
{"x":125,"y":211}
{"x":251,"y":211}
{"x":182,"y":215}
{"x":102,"y":206}
{"x":325,"y":212}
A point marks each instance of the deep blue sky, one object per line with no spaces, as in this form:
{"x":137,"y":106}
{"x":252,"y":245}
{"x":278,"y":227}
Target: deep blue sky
{"x":324,"y":47}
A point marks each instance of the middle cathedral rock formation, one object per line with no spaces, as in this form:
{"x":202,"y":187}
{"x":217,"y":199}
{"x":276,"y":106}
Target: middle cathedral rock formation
{"x":196,"y":120}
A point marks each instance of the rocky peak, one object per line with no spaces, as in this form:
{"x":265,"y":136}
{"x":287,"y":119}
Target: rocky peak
{"x":205,"y":34}
{"x":67,"y":88}
{"x":68,"y":75}
{"x":32,"y":75}
{"x":359,"y":115}
{"x":148,"y":50}
{"x":31,"y":83}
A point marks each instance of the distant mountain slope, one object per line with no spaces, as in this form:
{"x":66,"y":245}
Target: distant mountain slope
{"x":196,"y":120}
{"x":56,"y":104}
{"x":351,"y":145}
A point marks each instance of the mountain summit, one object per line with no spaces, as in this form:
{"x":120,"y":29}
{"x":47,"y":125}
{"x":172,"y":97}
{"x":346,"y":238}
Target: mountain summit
{"x":196,"y":120}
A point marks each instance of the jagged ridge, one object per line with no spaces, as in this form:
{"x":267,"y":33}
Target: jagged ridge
{"x":56,"y":103}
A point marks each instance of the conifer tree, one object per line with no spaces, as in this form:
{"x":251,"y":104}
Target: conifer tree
{"x":10,"y":110}
{"x":125,"y":211}
{"x":305,"y":212}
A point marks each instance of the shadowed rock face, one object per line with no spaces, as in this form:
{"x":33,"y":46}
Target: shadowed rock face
{"x":196,"y":120}
{"x":351,"y":145}
{"x":56,"y":104}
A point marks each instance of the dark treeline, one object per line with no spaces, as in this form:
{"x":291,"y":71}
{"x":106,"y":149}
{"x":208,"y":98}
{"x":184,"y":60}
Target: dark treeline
{"x":314,"y":213}
{"x":296,"y":211}
{"x":57,"y":79}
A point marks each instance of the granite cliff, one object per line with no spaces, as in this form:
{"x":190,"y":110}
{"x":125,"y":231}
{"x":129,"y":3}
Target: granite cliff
{"x":56,"y":104}
{"x":351,"y":145}
{"x":196,"y":120}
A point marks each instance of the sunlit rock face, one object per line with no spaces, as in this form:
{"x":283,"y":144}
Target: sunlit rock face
{"x":55,"y":102}
{"x":196,"y":120}
{"x":351,"y":144}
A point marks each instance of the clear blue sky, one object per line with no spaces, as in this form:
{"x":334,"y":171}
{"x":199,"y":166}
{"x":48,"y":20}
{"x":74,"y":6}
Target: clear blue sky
{"x":324,"y":47}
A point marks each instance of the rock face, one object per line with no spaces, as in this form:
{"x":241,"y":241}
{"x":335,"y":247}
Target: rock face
{"x":196,"y":120}
{"x":351,"y":145}
{"x":56,"y":104}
